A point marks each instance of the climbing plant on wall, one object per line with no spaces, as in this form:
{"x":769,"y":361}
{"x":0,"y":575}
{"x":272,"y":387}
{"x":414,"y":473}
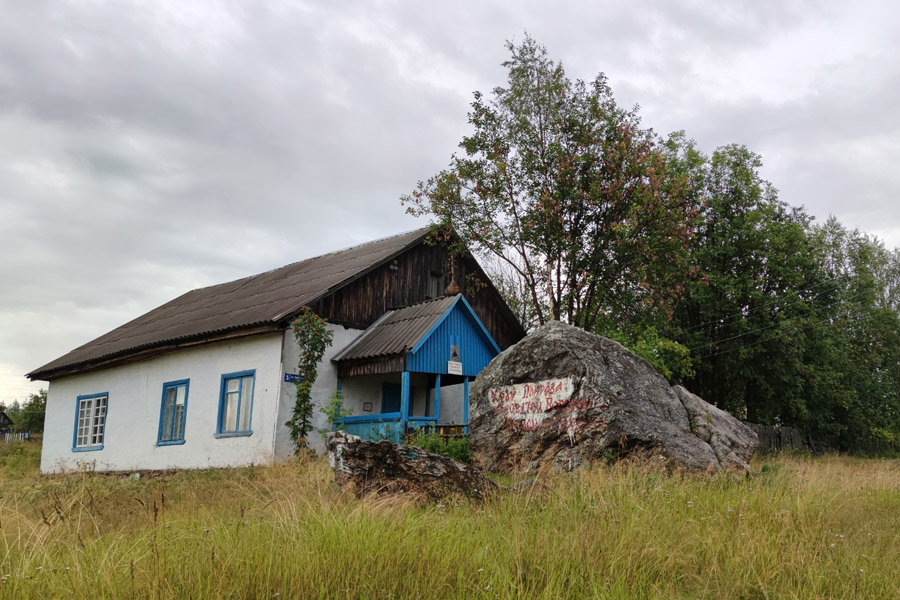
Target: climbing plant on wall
{"x":313,"y":337}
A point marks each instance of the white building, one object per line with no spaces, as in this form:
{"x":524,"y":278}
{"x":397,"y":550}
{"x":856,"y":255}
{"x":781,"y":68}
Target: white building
{"x":206,"y":380}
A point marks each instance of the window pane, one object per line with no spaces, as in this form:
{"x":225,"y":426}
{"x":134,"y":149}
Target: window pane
{"x":246,"y":402}
{"x":231,"y":405}
{"x":178,"y":427}
{"x":167,"y":415}
{"x":182,"y":392}
{"x":99,"y":421}
{"x":84,"y":416}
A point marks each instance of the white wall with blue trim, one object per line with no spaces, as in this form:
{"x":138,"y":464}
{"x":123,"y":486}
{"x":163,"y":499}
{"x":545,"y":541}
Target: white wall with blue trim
{"x":323,"y":388}
{"x":134,"y":402}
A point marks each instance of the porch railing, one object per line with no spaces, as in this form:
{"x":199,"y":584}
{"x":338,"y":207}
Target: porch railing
{"x":383,"y":426}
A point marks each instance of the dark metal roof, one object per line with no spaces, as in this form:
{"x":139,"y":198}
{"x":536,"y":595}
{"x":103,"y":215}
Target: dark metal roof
{"x":249,"y":303}
{"x":397,"y":331}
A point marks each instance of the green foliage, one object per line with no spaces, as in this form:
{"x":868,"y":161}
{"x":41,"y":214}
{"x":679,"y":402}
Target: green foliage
{"x":671,"y":359}
{"x":566,"y":190}
{"x":790,"y":323}
{"x":758,"y":292}
{"x":313,"y":338}
{"x":31,"y":417}
{"x":333,"y":411}
{"x":455,"y":448}
{"x":691,"y":260}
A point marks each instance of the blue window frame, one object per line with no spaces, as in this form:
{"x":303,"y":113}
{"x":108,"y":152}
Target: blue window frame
{"x":173,"y":412}
{"x":236,"y":404}
{"x":90,"y":422}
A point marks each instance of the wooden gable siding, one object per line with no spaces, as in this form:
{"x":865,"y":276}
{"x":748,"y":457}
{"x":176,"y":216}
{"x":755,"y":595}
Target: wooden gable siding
{"x":406,"y":280}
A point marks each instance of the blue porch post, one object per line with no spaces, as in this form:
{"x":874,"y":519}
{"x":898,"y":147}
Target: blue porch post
{"x":437,"y":399}
{"x":466,"y":404}
{"x":404,"y":401}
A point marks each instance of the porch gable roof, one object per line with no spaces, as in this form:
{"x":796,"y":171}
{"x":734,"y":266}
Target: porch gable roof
{"x":420,"y":337}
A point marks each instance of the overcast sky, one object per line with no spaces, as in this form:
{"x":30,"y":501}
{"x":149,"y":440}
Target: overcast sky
{"x":149,"y":148}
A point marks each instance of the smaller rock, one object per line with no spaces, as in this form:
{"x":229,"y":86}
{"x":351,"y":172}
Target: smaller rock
{"x":384,"y":467}
{"x":732,"y":442}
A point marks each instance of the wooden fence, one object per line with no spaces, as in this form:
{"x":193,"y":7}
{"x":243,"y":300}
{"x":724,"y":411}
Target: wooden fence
{"x":773,"y":438}
{"x":10,"y":437}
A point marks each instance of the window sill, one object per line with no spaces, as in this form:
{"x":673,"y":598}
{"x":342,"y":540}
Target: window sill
{"x":231,"y":434}
{"x":88,"y":448}
{"x":170,"y":443}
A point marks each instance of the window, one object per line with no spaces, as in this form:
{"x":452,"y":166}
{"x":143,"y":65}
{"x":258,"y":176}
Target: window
{"x":173,"y":412}
{"x":236,"y":404}
{"x":435,"y":285}
{"x":90,"y":422}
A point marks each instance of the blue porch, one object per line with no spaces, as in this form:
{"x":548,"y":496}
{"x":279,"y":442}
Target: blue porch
{"x":396,"y":370}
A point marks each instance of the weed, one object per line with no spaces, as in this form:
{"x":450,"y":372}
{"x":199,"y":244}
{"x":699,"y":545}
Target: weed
{"x":802,"y":528}
{"x":455,"y":448}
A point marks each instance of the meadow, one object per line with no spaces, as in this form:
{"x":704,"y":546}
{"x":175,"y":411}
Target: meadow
{"x":798,"y":527}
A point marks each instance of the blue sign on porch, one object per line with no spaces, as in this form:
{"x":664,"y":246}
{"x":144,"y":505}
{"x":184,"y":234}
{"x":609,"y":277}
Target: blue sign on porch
{"x":292,"y":377}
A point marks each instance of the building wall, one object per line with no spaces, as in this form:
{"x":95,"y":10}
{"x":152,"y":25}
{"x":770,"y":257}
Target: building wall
{"x":355,"y":391}
{"x":409,"y":279}
{"x":324,"y":387}
{"x":451,"y":404}
{"x":133,"y":410}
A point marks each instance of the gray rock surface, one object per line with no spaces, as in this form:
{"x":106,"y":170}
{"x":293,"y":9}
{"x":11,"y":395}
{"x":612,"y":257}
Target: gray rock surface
{"x":384,"y":467}
{"x":563,"y":397}
{"x":732,"y":442}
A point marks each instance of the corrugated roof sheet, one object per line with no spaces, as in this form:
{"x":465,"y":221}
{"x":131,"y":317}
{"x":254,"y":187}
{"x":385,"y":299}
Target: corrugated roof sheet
{"x":253,"y":301}
{"x":397,"y":331}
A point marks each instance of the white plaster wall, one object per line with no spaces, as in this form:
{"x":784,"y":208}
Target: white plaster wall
{"x":451,"y":404}
{"x":135,"y":397}
{"x":323,"y":388}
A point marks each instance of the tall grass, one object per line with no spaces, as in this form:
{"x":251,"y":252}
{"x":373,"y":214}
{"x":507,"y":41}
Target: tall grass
{"x":799,"y":528}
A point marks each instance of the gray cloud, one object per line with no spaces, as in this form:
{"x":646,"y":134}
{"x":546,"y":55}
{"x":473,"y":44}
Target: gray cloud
{"x":151,"y":148}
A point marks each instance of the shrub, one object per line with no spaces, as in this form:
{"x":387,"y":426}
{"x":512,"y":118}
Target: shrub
{"x":455,"y":448}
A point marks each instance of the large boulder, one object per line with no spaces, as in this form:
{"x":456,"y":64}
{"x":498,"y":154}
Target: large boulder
{"x":562,"y":397}
{"x":365,"y":467}
{"x":731,"y":441}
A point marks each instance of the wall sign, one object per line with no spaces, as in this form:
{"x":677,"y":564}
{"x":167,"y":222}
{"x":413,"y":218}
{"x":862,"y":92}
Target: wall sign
{"x":292,"y":377}
{"x":454,"y":368}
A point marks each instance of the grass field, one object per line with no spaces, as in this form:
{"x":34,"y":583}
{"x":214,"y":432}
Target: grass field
{"x":800,"y":527}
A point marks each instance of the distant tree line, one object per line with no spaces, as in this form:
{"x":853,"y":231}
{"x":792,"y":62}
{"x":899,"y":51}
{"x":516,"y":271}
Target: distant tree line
{"x":30,"y":415}
{"x":691,"y":260}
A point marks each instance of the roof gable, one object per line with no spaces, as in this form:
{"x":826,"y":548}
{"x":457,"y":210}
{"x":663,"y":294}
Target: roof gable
{"x":423,"y":335}
{"x":458,"y":327}
{"x":257,"y":303}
